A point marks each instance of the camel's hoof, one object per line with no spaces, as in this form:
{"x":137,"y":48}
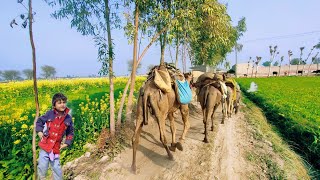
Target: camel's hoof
{"x":222,"y":122}
{"x":179,"y":146}
{"x":172,"y":148}
{"x":203,"y":133}
{"x":211,"y":128}
{"x":205,"y":140}
{"x":171,"y":157}
{"x":134,"y":169}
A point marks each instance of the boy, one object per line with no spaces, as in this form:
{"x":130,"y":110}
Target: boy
{"x":51,"y":127}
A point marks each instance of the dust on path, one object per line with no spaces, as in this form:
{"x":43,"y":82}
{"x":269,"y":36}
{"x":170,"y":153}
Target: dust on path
{"x":219,"y":159}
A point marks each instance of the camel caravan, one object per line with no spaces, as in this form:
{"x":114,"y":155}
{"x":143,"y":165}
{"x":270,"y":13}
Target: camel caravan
{"x":167,"y":90}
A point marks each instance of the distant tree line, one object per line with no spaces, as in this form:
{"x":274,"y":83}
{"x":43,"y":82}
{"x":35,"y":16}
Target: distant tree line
{"x":47,"y":72}
{"x":294,"y":61}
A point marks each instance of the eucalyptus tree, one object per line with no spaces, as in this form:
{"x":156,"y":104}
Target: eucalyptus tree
{"x":305,"y":61}
{"x":28,"y":20}
{"x":237,"y":48}
{"x":257,"y":64}
{"x":314,"y":58}
{"x":248,"y":66}
{"x":253,"y":63}
{"x":212,"y":35}
{"x":273,"y":54}
{"x":95,"y":18}
{"x":300,"y":59}
{"x":289,"y":55}
{"x":281,"y":60}
{"x":28,"y":73}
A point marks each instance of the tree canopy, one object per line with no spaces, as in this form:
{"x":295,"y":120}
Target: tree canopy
{"x":48,"y":71}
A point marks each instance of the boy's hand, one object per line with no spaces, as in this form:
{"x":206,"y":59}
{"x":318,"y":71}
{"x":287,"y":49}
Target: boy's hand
{"x":40,"y":134}
{"x":63,"y":146}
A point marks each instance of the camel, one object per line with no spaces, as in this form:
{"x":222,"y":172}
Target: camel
{"x":210,"y":98}
{"x":229,"y":101}
{"x":161,"y":105}
{"x":236,"y":103}
{"x":209,"y":94}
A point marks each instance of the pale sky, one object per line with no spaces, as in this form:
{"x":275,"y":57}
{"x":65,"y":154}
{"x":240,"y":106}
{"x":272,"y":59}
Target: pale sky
{"x":286,"y":23}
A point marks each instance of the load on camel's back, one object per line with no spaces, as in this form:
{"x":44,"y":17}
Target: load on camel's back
{"x":233,"y":100}
{"x":164,"y":92}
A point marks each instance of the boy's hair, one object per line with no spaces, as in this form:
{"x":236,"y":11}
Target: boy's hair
{"x":58,"y":97}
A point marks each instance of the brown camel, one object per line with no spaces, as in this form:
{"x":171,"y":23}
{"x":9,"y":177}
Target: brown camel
{"x":161,"y":105}
{"x":236,"y":103}
{"x":209,"y":97}
{"x":229,"y":101}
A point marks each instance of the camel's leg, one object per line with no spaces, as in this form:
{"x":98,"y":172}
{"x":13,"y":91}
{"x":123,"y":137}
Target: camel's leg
{"x":209,"y":111}
{"x":173,"y":132}
{"x":223,"y":112}
{"x":204,"y":118}
{"x":135,"y":142}
{"x":212,"y":116}
{"x":163,"y":139}
{"x":184,"y":109}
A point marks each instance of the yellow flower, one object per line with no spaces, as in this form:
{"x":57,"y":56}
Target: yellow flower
{"x":24,"y":126}
{"x":17,"y":141}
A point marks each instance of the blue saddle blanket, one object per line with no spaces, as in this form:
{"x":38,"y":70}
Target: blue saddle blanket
{"x":184,"y":91}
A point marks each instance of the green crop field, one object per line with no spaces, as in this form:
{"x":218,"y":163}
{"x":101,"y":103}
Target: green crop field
{"x":293,"y":105}
{"x":88,"y":100}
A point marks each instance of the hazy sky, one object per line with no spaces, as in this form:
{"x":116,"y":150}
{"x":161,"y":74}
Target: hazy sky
{"x":286,"y":23}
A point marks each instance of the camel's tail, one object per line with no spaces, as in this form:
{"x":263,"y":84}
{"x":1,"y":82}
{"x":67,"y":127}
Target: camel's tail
{"x":206,"y":96}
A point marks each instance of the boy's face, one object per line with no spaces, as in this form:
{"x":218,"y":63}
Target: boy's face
{"x":60,"y":105}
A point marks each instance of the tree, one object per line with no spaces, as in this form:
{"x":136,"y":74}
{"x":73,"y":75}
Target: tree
{"x":248,"y":66}
{"x":300,"y":59}
{"x":29,"y":20}
{"x":305,"y":61}
{"x":315,"y":60}
{"x":257,"y":64}
{"x":281,"y":60}
{"x":295,"y":61}
{"x":241,"y":28}
{"x":48,"y":71}
{"x":289,"y":54}
{"x":273,"y":54}
{"x":130,"y":64}
{"x":95,"y":17}
{"x":276,"y":63}
{"x":237,"y":48}
{"x":11,"y":75}
{"x":28,"y":73}
{"x":266,"y":63}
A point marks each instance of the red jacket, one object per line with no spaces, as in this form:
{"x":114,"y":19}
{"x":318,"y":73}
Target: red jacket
{"x":55,"y":128}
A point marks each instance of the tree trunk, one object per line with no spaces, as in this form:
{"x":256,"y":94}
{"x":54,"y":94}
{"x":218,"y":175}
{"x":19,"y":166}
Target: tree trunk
{"x":289,"y":66}
{"x":162,"y":47}
{"x":235,"y":67}
{"x":134,"y":63}
{"x":177,"y":52}
{"x":252,"y":71}
{"x":155,"y":37}
{"x":35,"y":89}
{"x":269,"y":69}
{"x":110,"y":53}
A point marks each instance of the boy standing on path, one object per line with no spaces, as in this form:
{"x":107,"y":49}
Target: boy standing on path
{"x":51,"y":128}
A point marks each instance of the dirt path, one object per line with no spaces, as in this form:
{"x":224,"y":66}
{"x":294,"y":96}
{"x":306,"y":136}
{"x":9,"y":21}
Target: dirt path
{"x":219,"y":159}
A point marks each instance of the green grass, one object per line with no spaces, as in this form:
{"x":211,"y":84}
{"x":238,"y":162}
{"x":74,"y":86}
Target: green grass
{"x":292,"y":104}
